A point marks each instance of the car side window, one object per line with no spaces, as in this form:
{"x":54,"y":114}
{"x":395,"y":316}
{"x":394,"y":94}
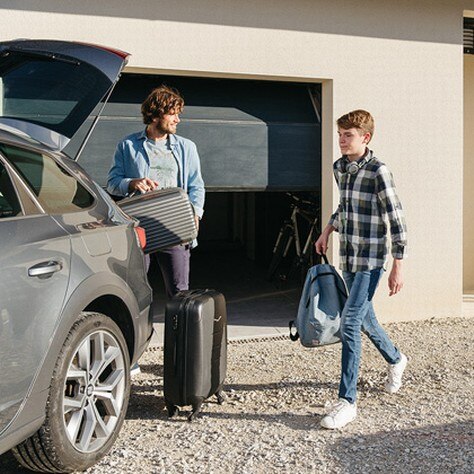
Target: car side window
{"x":56,"y":189}
{"x":9,"y":203}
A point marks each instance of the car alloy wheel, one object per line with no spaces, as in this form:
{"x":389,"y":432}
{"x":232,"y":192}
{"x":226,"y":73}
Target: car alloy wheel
{"x":87,"y":401}
{"x":94,"y":391}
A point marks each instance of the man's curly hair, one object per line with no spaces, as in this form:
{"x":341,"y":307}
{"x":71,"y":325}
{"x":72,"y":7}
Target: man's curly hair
{"x":161,"y":101}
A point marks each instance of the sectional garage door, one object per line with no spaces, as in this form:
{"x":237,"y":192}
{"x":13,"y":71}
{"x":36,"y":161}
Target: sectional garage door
{"x":251,"y":135}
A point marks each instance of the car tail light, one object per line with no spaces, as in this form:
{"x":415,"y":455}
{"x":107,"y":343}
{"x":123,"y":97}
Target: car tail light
{"x":141,"y":236}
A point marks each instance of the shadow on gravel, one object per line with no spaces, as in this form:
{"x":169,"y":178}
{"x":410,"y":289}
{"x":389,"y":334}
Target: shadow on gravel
{"x":295,"y":422}
{"x":147,"y":404}
{"x":145,"y":407}
{"x":279,"y":385}
{"x":9,"y":465}
{"x":136,"y":388}
{"x":435,"y":449}
{"x":155,"y":369}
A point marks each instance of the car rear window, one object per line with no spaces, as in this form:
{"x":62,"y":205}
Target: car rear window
{"x":56,"y":93}
{"x":57,"y":190}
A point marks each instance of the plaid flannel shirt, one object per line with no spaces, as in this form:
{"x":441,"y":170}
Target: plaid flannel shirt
{"x":367,"y":200}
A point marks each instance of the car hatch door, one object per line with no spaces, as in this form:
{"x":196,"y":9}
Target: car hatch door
{"x":49,"y":88}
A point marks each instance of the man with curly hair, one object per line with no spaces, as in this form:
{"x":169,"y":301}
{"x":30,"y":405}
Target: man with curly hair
{"x":157,"y":158}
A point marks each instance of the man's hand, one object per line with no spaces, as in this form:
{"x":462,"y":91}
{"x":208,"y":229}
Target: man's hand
{"x":196,"y":219}
{"x":142,"y":184}
{"x":321,"y":244}
{"x":395,"y":279}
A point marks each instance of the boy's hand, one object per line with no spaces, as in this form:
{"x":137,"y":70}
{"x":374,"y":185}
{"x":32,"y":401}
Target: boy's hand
{"x":321,"y":245}
{"x":395,"y":279}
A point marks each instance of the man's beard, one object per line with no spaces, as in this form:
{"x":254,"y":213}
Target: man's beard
{"x":166,"y":129}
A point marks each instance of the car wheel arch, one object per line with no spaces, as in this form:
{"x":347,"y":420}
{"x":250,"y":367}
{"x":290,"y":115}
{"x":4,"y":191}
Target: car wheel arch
{"x":60,"y":445}
{"x":91,"y":294}
{"x":115,"y":308}
{"x":99,"y":287}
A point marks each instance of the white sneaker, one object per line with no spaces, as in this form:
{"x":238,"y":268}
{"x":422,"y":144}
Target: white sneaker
{"x":134,"y":370}
{"x":341,"y":413}
{"x":394,"y":376}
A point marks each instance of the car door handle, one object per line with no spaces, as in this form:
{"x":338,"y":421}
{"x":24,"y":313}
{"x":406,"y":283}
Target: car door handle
{"x":45,"y":269}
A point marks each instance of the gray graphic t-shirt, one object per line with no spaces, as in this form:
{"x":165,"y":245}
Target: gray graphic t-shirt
{"x":163,"y":165}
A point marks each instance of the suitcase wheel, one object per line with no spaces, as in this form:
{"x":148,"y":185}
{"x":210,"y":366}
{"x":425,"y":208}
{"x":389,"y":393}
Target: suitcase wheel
{"x":172,"y":410}
{"x":195,"y":412}
{"x":221,"y":397}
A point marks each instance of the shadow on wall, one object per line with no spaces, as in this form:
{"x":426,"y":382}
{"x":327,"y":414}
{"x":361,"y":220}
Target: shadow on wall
{"x":442,"y":449}
{"x":372,"y":18}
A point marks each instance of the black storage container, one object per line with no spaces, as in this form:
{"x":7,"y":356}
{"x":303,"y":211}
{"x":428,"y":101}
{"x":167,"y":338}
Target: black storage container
{"x":195,"y":349}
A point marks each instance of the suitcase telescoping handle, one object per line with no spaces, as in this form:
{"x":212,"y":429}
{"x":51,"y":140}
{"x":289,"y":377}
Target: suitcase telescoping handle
{"x":175,"y":345}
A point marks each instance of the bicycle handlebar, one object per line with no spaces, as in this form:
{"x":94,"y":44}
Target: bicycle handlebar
{"x":298,"y":201}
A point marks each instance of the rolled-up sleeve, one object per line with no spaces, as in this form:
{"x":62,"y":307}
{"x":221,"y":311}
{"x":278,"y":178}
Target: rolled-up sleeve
{"x":334,"y":219}
{"x":391,"y":205}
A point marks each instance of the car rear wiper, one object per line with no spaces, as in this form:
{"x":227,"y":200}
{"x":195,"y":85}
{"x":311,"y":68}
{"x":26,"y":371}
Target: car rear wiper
{"x":39,"y":54}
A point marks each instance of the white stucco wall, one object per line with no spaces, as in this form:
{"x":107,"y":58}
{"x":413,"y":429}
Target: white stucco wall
{"x":402,"y":60}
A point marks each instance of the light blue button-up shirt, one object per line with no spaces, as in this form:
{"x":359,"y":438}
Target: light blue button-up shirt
{"x":131,"y":161}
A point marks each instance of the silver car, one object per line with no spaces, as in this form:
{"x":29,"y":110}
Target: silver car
{"x":74,"y":297}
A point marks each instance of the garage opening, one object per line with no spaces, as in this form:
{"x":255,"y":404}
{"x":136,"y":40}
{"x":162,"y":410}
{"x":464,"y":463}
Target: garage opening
{"x":258,"y":141}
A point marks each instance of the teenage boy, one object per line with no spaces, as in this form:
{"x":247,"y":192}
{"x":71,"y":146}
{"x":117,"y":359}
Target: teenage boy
{"x":367,"y":199}
{"x":157,"y":158}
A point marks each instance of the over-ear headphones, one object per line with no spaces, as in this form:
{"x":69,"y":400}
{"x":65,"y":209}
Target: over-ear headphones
{"x":353,"y":167}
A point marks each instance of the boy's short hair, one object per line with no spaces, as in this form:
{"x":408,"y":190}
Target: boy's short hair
{"x":360,"y":119}
{"x":161,"y":101}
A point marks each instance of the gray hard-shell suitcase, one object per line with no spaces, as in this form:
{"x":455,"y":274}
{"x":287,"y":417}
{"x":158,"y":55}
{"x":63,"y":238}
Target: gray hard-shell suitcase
{"x":195,"y":350}
{"x":167,"y":216}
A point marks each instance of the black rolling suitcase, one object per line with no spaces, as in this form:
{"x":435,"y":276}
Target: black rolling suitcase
{"x":195,"y":351}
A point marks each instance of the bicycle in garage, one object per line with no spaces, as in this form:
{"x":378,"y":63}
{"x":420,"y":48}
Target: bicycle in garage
{"x":290,"y":236}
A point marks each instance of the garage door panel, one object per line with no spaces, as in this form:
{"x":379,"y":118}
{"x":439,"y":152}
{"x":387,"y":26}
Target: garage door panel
{"x":296,"y":156}
{"x":232,"y":155}
{"x":251,"y":135}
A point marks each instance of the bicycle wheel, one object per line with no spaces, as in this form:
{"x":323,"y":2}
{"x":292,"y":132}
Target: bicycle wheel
{"x":286,"y":233}
{"x":304,"y":265}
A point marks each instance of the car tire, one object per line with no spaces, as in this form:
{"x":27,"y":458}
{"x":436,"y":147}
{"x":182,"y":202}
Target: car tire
{"x":87,"y":402}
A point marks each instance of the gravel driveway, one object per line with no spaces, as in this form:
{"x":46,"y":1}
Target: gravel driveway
{"x":276,"y":394}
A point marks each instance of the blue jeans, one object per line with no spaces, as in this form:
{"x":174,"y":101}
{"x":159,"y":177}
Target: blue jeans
{"x":358,"y":315}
